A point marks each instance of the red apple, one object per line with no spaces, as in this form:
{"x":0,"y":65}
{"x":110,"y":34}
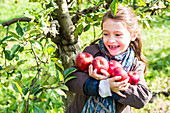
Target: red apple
{"x":112,"y":65}
{"x":119,"y":71}
{"x":99,"y":63}
{"x":133,"y":77}
{"x":83,"y":60}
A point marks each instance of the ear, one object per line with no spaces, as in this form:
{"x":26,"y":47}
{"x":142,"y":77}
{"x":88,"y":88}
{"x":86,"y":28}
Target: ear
{"x":134,"y":35}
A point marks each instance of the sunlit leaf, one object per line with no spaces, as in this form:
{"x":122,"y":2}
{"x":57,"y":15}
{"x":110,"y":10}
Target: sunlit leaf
{"x":14,"y":35}
{"x":37,"y":44}
{"x":50,"y":49}
{"x":60,"y":92}
{"x":44,"y":78}
{"x":52,"y":80}
{"x":19,"y":75}
{"x":17,"y":88}
{"x":64,"y":87}
{"x":57,"y":63}
{"x":59,"y":75}
{"x":7,"y":68}
{"x":48,"y":11}
{"x":113,"y":7}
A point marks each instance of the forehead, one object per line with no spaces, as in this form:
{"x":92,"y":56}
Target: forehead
{"x":111,"y":24}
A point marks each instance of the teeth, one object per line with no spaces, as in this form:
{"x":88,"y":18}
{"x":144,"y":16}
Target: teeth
{"x":112,"y":47}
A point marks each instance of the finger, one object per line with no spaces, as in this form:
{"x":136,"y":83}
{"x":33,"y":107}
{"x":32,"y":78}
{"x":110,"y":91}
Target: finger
{"x":124,"y":87}
{"x":105,"y":73}
{"x":99,"y":77}
{"x":127,"y":80}
{"x":122,"y":95}
{"x":113,"y":79}
{"x":90,"y":69}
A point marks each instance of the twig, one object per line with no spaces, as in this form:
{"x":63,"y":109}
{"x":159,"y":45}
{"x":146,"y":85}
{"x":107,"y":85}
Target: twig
{"x":14,"y":20}
{"x":38,"y":73}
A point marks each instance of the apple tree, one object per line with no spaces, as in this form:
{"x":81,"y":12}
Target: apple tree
{"x":37,"y":55}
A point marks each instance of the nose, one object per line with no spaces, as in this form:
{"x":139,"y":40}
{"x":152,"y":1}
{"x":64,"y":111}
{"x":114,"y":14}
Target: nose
{"x":112,"y":39}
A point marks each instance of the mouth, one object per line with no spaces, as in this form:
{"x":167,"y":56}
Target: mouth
{"x":113,"y":47}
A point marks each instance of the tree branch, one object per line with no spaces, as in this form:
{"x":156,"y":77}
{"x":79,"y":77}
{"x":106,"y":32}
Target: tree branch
{"x":75,"y":18}
{"x":14,"y":20}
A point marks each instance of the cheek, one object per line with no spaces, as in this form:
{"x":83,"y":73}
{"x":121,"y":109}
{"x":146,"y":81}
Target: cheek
{"x":105,"y":41}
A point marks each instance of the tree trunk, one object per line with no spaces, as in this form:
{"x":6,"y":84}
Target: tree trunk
{"x":68,"y":45}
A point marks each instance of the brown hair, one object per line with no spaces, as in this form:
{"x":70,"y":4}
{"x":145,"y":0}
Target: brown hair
{"x":127,"y":17}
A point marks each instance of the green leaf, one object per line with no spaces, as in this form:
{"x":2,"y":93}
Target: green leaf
{"x":113,"y":7}
{"x":5,"y":38}
{"x":25,"y":91}
{"x":69,"y":71}
{"x":19,"y":88}
{"x":19,"y":75}
{"x":14,"y":35}
{"x":15,"y":87}
{"x":69,"y":78}
{"x":21,"y":49}
{"x":59,"y":75}
{"x":87,"y":28}
{"x":7,"y":69}
{"x":19,"y":30}
{"x":35,"y":32}
{"x":64,"y":87}
{"x":38,"y":109}
{"x":35,"y":89}
{"x":22,"y":106}
{"x":52,"y":80}
{"x":57,"y":63}
{"x":21,"y":62}
{"x":50,"y":49}
{"x":48,"y":11}
{"x":60,"y":92}
{"x":44,"y":78}
{"x":37,"y":44}
{"x":78,"y":30}
{"x":8,"y":55}
{"x":15,"y":48}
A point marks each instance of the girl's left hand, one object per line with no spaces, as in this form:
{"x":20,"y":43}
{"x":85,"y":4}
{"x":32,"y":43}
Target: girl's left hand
{"x":93,"y":73}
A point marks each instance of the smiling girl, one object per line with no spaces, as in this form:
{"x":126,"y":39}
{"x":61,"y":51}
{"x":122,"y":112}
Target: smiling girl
{"x":121,"y":42}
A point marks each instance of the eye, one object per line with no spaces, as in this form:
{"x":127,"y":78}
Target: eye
{"x":105,"y":34}
{"x":118,"y":34}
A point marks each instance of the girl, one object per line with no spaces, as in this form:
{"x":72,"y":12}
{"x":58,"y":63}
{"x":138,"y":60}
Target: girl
{"x":97,"y":93}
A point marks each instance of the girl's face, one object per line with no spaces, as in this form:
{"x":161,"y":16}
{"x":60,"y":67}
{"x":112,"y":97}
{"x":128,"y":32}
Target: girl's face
{"x":116,"y":37}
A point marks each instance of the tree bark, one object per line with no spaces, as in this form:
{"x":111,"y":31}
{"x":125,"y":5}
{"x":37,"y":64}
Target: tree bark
{"x":68,"y":45}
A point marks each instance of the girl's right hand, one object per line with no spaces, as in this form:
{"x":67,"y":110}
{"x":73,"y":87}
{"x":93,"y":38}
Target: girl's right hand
{"x":93,"y":73}
{"x":118,"y":86}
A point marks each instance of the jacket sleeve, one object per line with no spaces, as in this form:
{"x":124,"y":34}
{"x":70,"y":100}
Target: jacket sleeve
{"x":137,"y":95}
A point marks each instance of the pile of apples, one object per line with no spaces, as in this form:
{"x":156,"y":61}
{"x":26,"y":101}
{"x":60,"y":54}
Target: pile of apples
{"x":114,"y":68}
